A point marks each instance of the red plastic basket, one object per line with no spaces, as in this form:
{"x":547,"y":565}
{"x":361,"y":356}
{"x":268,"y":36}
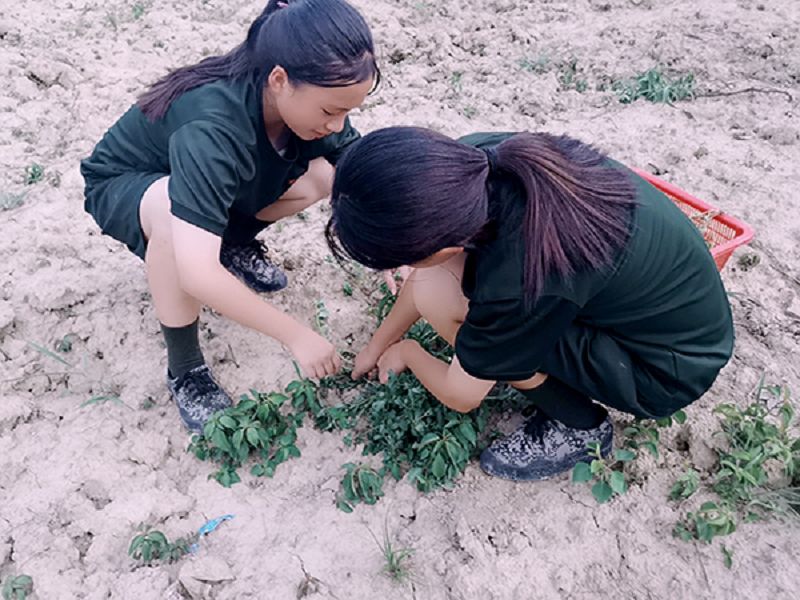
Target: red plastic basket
{"x":722,"y":232}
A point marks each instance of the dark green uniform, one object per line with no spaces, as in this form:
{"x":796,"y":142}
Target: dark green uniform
{"x":648,"y":335}
{"x":213,"y":145}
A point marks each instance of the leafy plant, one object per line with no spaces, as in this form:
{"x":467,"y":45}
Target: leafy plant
{"x":321,"y":316}
{"x":710,"y":521}
{"x":654,"y":86}
{"x":137,"y":11}
{"x":361,"y":483}
{"x":644,"y":433}
{"x":608,"y":476}
{"x":255,"y":426}
{"x":152,"y":546}
{"x":34,"y":173}
{"x":568,"y":77}
{"x":685,"y":486}
{"x":18,"y":587}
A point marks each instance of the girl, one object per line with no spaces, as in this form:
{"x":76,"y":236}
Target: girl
{"x":211,"y":155}
{"x":546,"y":265}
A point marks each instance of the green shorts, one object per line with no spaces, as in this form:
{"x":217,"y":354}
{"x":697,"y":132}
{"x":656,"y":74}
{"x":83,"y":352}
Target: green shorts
{"x":114,"y":204}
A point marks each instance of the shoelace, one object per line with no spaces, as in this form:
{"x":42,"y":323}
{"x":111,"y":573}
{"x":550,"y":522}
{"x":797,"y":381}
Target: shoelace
{"x":537,"y":425}
{"x":199,"y":384}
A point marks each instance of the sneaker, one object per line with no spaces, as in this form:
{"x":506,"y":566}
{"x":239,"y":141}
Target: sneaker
{"x":198,"y":396}
{"x":249,"y":263}
{"x":542,"y":448}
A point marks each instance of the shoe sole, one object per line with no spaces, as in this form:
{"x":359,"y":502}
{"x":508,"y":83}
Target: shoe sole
{"x":556,"y":469}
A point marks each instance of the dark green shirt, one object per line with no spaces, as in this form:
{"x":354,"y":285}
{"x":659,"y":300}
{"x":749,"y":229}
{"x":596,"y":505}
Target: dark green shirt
{"x":213,"y":145}
{"x":662,"y":300}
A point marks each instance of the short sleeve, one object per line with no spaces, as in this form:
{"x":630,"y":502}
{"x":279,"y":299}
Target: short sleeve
{"x":502,"y":341}
{"x":207,"y":165}
{"x":332,"y":147}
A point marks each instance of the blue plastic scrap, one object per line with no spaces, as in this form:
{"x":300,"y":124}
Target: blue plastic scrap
{"x":208,"y":528}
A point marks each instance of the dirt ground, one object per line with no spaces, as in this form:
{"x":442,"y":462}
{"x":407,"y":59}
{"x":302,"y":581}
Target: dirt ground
{"x":76,"y":480}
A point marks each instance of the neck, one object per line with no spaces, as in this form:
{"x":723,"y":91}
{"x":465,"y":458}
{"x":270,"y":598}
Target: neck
{"x":273,"y":123}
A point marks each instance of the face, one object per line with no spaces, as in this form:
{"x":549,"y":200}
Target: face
{"x":311,"y":111}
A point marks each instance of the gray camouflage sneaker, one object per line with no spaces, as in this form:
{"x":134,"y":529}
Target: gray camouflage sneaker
{"x":542,"y":448}
{"x":198,"y":396}
{"x":249,"y":263}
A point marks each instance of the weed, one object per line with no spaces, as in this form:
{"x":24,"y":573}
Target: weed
{"x":469,"y":112}
{"x":255,"y":426}
{"x":34,"y":173}
{"x":395,"y":559}
{"x":644,"y":433}
{"x":17,"y":588}
{"x":321,"y":316}
{"x":654,"y":86}
{"x":727,"y":556}
{"x":568,"y":77}
{"x":9,"y":201}
{"x":137,"y":11}
{"x":456,"y":81}
{"x":608,"y":480}
{"x":759,"y":472}
{"x":685,"y":486}
{"x":361,"y":483}
{"x":539,"y":65}
{"x":347,"y":289}
{"x":151,"y":546}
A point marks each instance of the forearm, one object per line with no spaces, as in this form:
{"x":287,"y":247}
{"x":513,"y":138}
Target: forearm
{"x":221,"y":291}
{"x":433,"y":374}
{"x":399,"y":320}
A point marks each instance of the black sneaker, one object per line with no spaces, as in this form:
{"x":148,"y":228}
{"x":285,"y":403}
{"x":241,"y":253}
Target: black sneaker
{"x":249,"y":263}
{"x":542,"y":448}
{"x":198,"y":396}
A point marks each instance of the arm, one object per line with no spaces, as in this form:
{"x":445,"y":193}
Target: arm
{"x":203,"y":277}
{"x":450,"y":384}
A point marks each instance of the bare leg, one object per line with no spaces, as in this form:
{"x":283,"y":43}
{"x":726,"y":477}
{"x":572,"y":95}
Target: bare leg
{"x":309,"y":189}
{"x":174,"y":307}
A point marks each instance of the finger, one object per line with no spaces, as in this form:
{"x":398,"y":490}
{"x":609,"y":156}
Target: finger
{"x":388,"y":277}
{"x":337,"y":363}
{"x":330,"y":367}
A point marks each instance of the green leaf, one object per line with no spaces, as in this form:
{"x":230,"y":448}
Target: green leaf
{"x":727,"y":557}
{"x":597,"y":466}
{"x":253,"y":438}
{"x":438,"y":467}
{"x":581,"y":473}
{"x":624,"y":455}
{"x":617,"y":482}
{"x":679,"y":417}
{"x":468,"y":431}
{"x":344,"y":506}
{"x":238,"y":438}
{"x":227,"y":422}
{"x":602,"y":492}
{"x":651,"y":447}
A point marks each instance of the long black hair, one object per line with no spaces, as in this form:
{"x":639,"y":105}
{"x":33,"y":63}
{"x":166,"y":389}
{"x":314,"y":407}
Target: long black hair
{"x":401,"y":194}
{"x":320,"y":42}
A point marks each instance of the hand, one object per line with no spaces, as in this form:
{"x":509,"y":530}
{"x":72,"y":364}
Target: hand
{"x":366,"y":361}
{"x":316,"y":356}
{"x":393,"y":360}
{"x":389,"y":278}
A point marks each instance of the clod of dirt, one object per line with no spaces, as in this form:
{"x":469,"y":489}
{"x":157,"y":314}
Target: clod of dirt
{"x":199,"y":575}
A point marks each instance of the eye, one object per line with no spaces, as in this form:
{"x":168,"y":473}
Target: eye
{"x":327,"y":112}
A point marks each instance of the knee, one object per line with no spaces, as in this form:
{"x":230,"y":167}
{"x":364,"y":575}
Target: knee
{"x":318,"y":181}
{"x":436,"y":294}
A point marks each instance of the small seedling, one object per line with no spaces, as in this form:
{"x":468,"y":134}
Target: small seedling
{"x":644,"y":433}
{"x":469,"y":112}
{"x":710,"y":521}
{"x":321,"y":316}
{"x":727,"y":556}
{"x":654,"y":86}
{"x":347,"y":289}
{"x":152,"y":546}
{"x":538,"y":65}
{"x":685,"y":486}
{"x":608,"y":480}
{"x":568,"y":77}
{"x":455,"y":81}
{"x":396,"y":559}
{"x":17,"y":588}
{"x":361,"y":483}
{"x":138,"y":10}
{"x":34,"y":173}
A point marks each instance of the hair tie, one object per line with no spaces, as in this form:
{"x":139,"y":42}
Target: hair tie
{"x":491,"y":156}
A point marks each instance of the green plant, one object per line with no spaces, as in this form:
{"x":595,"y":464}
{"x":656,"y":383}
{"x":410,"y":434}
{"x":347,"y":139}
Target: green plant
{"x":396,"y":559}
{"x":456,"y":81}
{"x":347,"y":289}
{"x":644,"y":433}
{"x":568,"y":77}
{"x":138,"y":10}
{"x":710,"y":521}
{"x":18,"y":587}
{"x":685,"y":486}
{"x":539,"y":65}
{"x":608,"y":476}
{"x":34,"y":173}
{"x":152,"y":546}
{"x":361,"y":483}
{"x":321,"y":316}
{"x":255,"y":426}
{"x":654,"y":86}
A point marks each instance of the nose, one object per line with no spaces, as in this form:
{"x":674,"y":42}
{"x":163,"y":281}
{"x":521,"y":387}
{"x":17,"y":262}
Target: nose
{"x":336,"y":125}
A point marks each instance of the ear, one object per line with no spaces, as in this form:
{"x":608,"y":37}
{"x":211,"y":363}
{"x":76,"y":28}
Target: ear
{"x":448,"y":253}
{"x":278,"y":80}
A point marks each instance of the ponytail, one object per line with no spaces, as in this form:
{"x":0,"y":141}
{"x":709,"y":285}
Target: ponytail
{"x":577,"y":207}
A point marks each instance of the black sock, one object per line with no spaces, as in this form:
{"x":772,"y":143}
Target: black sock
{"x":183,"y":348}
{"x":560,"y":402}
